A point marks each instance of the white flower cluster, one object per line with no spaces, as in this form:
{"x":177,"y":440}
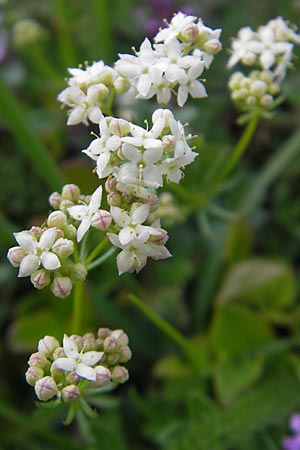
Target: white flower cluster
{"x":89,"y":92}
{"x":270,"y":50}
{"x":172,"y":65}
{"x":81,"y":364}
{"x":44,"y":255}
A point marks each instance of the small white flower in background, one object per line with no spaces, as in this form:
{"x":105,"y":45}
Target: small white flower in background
{"x":79,"y":362}
{"x":85,"y":213}
{"x":270,"y":47}
{"x":37,"y":251}
{"x":178,"y":24}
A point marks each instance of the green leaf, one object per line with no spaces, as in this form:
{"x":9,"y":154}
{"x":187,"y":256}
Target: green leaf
{"x":237,"y":331}
{"x":266,"y":283}
{"x":171,"y":367}
{"x":231,"y":377}
{"x":238,"y":241}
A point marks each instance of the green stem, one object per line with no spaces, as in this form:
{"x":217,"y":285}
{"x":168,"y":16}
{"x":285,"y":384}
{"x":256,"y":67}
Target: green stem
{"x":15,"y":117}
{"x":64,"y":33}
{"x":187,"y":348}
{"x":96,"y":251}
{"x":78,"y":304}
{"x":97,"y":262}
{"x":238,"y":151}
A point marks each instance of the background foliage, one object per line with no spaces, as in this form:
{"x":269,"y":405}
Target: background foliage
{"x":232,"y":284}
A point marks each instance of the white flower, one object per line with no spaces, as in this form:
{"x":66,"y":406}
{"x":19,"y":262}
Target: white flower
{"x":37,"y":252}
{"x":188,"y":84}
{"x":141,"y":169}
{"x":244,"y":47}
{"x":78,"y":361}
{"x":98,"y":72}
{"x":86,"y":213}
{"x":172,"y":166}
{"x":131,"y":224}
{"x":178,"y":23}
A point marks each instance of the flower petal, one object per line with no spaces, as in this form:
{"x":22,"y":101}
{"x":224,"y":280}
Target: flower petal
{"x":50,"y":261}
{"x":86,"y":372}
{"x":26,"y":241}
{"x":70,"y":347}
{"x":91,"y":358}
{"x":141,"y":213}
{"x":29,"y":264}
{"x":67,"y":364}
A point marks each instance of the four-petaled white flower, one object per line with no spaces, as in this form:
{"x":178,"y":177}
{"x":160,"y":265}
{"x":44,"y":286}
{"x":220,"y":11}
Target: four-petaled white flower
{"x":79,"y":362}
{"x":131,"y":224}
{"x":38,"y":252}
{"x":188,"y":84}
{"x":86,"y":213}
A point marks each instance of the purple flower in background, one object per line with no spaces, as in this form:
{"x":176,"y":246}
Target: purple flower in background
{"x":293,"y":442}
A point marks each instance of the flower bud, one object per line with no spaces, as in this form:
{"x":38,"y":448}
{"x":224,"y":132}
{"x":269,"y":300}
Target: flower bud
{"x":258,"y":88}
{"x":15,"y":255}
{"x":251,"y":100}
{"x":110,"y":344}
{"x":103,"y":333}
{"x":110,"y":184}
{"x":212,"y":46}
{"x":119,"y":374}
{"x":121,"y":337}
{"x":57,"y":219}
{"x":65,"y":204}
{"x":57,"y":374}
{"x":114,"y":199}
{"x":160,"y":237}
{"x":121,"y":85}
{"x":119,"y":127}
{"x":70,"y":393}
{"x":55,"y":200}
{"x":204,"y":34}
{"x":37,"y":359}
{"x":266,"y":101}
{"x":71,"y":192}
{"x":78,"y":272}
{"x":70,"y":232}
{"x":72,"y":378}
{"x":101,"y":220}
{"x":266,"y":76}
{"x":63,"y":248}
{"x":248,"y":59}
{"x":58,"y":353}
{"x":61,"y":286}
{"x":45,"y":388}
{"x":33,"y":375}
{"x":79,"y":341}
{"x":36,"y":232}
{"x":190,"y":33}
{"x":103,"y":376}
{"x":90,"y":344}
{"x":111,"y":359}
{"x":124,"y":354}
{"x":40,"y":279}
{"x":97,"y":93}
{"x":47,"y":345}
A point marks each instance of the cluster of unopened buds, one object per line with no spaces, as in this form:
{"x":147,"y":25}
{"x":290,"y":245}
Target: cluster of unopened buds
{"x":269,"y":50}
{"x":82,"y":364}
{"x":172,"y":65}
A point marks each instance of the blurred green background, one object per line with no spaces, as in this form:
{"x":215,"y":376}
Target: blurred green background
{"x":232,"y":285}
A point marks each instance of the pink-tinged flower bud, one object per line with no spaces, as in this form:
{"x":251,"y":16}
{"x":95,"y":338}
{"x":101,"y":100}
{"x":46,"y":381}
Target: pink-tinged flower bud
{"x":266,"y":101}
{"x":72,"y":378}
{"x":212,"y":46}
{"x":119,"y":374}
{"x":114,"y":199}
{"x":110,"y":344}
{"x":70,"y":232}
{"x":71,"y":192}
{"x":57,"y":374}
{"x":40,"y":279}
{"x":159,"y":238}
{"x":61,"y":287}
{"x":90,"y":344}
{"x":33,"y":375}
{"x":119,"y":127}
{"x":190,"y":33}
{"x":70,"y":393}
{"x":65,"y":204}
{"x":103,"y":376}
{"x":47,"y":345}
{"x":103,"y":333}
{"x":258,"y":88}
{"x":63,"y":248}
{"x":168,"y":142}
{"x":55,"y":200}
{"x":88,"y":335}
{"x":101,"y":220}
{"x":266,"y":76}
{"x":124,"y":354}
{"x":37,"y":359}
{"x":121,"y":85}
{"x":121,"y":337}
{"x":36,"y":232}
{"x":59,"y":353}
{"x":110,"y":185}
{"x":57,"y":219}
{"x":111,"y":359}
{"x":45,"y":388}
{"x":15,"y":255}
